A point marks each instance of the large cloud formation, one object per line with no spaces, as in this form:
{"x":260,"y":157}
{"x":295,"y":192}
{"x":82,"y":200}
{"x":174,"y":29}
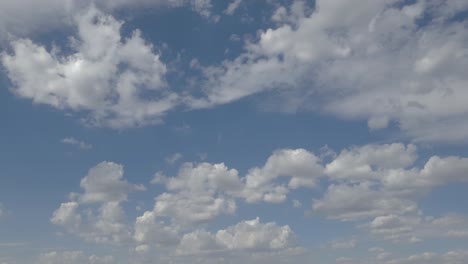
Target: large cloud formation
{"x":380,"y":61}
{"x":390,"y":62}
{"x":375,"y":187}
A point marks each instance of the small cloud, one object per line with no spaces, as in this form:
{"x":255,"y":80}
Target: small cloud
{"x":297,"y":204}
{"x":78,"y":143}
{"x":232,"y":7}
{"x":235,"y":38}
{"x":173,"y":158}
{"x":159,"y":178}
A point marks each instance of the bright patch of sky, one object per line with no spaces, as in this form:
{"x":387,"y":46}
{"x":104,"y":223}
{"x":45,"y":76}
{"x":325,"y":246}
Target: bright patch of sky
{"x":199,"y":131}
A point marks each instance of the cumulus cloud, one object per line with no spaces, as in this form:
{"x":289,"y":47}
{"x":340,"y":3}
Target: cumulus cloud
{"x":199,"y":193}
{"x":380,"y":185}
{"x":78,"y":143}
{"x":246,"y":235}
{"x":377,"y":187}
{"x":103,"y":186}
{"x":302,"y":168}
{"x":383,"y":64}
{"x":118,"y":81}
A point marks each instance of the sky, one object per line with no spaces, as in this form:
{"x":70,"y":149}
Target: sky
{"x":203,"y":131}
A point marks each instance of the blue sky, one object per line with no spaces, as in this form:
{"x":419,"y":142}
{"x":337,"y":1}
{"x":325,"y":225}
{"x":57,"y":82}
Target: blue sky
{"x":198,"y":131}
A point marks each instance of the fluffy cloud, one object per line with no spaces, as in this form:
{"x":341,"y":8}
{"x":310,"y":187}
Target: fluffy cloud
{"x":381,"y":184}
{"x":302,"y":168}
{"x":246,"y":235}
{"x":198,"y":193}
{"x":386,"y":62}
{"x":377,"y":187}
{"x":204,"y":191}
{"x":103,"y":185}
{"x":118,"y":81}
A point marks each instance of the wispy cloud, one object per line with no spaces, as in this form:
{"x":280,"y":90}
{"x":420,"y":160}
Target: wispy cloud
{"x":78,"y":143}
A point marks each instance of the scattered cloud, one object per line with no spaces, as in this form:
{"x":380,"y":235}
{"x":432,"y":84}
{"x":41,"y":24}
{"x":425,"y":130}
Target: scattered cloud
{"x":103,"y":186}
{"x":173,"y":158}
{"x":380,"y":65}
{"x":232,"y":7}
{"x":78,"y":143}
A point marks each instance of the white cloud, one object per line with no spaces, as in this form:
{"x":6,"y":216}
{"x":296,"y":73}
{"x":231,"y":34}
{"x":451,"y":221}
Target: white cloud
{"x":198,"y":193}
{"x":187,"y":208}
{"x":358,"y":162}
{"x":173,"y":158}
{"x":103,"y":185}
{"x":149,"y":230}
{"x":302,"y":168}
{"x":75,"y":142}
{"x":118,"y":81}
{"x":382,"y":185}
{"x":379,"y":64}
{"x":246,"y":235}
{"x":232,"y":7}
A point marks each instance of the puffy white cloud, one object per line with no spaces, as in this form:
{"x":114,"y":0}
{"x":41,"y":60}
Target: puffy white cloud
{"x":151,"y":231}
{"x":381,"y":184}
{"x":78,"y":143}
{"x":185,"y":208}
{"x":73,"y":257}
{"x":383,"y":64}
{"x":360,"y":163}
{"x":198,"y":193}
{"x":67,"y":215}
{"x":302,"y":168}
{"x":246,"y":235}
{"x":359,"y":202}
{"x":416,"y":228}
{"x":103,"y":185}
{"x":118,"y":81}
